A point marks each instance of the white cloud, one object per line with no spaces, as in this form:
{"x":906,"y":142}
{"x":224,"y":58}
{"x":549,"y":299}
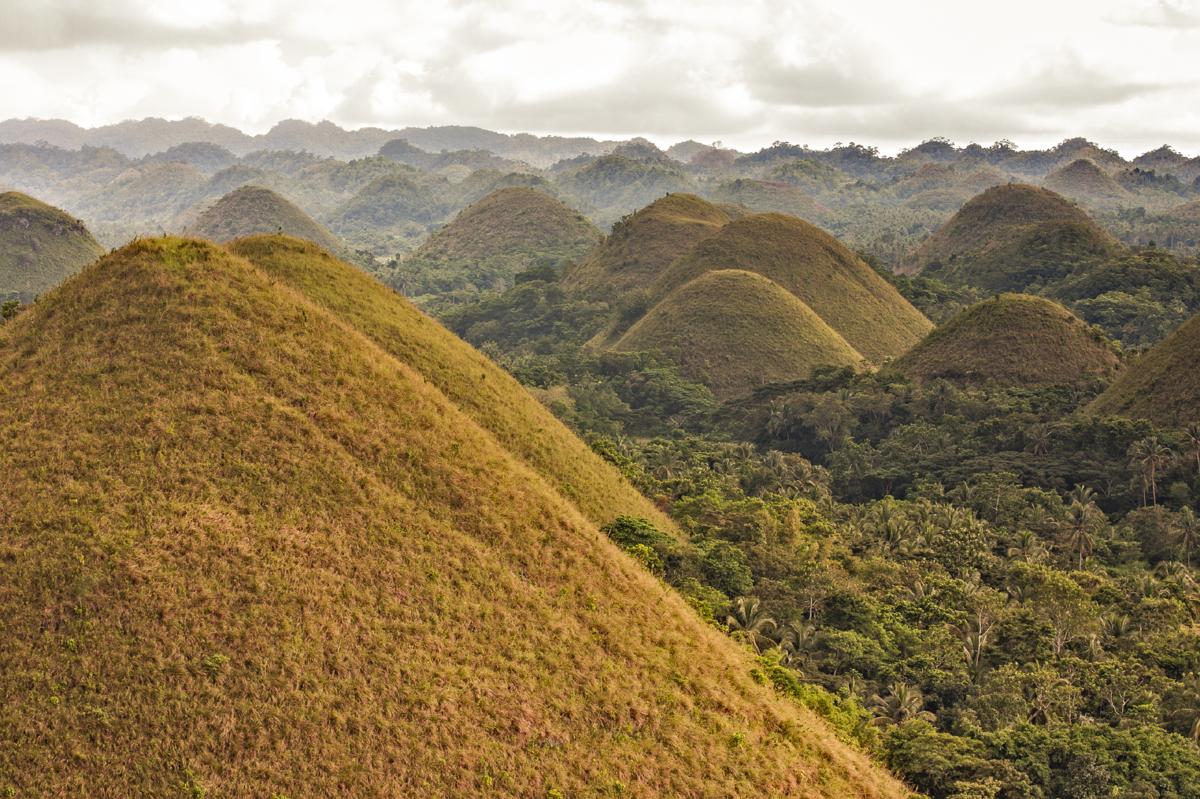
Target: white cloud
{"x":806,"y":70}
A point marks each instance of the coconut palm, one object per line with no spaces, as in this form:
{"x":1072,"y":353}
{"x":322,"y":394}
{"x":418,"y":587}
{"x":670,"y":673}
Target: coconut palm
{"x":1028,"y":547}
{"x":1080,"y":528}
{"x":902,"y":703}
{"x":1185,"y":532}
{"x":1150,"y":455}
{"x":750,"y":619}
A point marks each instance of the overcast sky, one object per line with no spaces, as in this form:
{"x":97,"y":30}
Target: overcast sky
{"x":1123,"y":72}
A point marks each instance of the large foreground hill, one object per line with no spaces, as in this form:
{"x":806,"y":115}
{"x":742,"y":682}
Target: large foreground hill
{"x":251,"y":545}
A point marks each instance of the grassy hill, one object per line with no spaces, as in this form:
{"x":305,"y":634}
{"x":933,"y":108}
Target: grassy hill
{"x":247,"y":551}
{"x":504,"y":233}
{"x":837,"y":285}
{"x":479,"y":387}
{"x":641,"y":246}
{"x":1162,"y":385}
{"x":1084,"y":181}
{"x":1013,"y":340}
{"x":252,"y":209}
{"x":1010,"y":238}
{"x":40,"y":246}
{"x":612,"y":186}
{"x":734,"y":331}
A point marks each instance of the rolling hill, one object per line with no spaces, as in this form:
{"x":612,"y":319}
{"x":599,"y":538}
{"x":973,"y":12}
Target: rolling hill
{"x":489,"y":242}
{"x":1012,"y":340}
{"x":641,"y":246}
{"x":248,"y":549}
{"x":1010,"y":238}
{"x":837,"y":285}
{"x":1162,"y":385}
{"x":734,"y":331}
{"x":1083,"y":181}
{"x":248,"y":210}
{"x":40,"y":246}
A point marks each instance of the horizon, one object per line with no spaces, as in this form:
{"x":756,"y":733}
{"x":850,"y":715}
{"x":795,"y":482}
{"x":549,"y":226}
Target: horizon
{"x":662,"y":142}
{"x":867,"y":72}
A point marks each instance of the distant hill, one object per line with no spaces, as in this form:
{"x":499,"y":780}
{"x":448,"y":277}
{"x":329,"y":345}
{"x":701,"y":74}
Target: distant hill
{"x":1010,"y":238}
{"x":1162,"y":385}
{"x":1087,"y":183}
{"x":390,"y":206}
{"x":612,"y":186}
{"x":734,"y":331}
{"x":249,"y":210}
{"x":641,"y":246}
{"x":40,"y":246}
{"x":762,"y":196}
{"x":503,"y":233}
{"x":262,"y":552}
{"x":1012,"y":340}
{"x":849,"y":295}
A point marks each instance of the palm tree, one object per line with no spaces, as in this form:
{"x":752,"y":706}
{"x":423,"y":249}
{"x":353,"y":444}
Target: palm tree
{"x":1185,"y":531}
{"x":1037,"y":440}
{"x":1081,"y":525}
{"x":750,"y":619}
{"x":1191,"y":439}
{"x":1150,"y":455}
{"x":902,"y":703}
{"x":798,"y":641}
{"x":1028,"y":547}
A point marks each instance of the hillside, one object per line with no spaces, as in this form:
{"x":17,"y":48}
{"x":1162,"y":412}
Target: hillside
{"x":1010,"y":238}
{"x":1012,"y":340}
{"x":40,"y":246}
{"x":252,"y":209}
{"x":477,"y":386}
{"x":609,"y":187}
{"x":1087,"y":183}
{"x":505,"y":232}
{"x":764,"y":196}
{"x":837,"y":285}
{"x":248,"y":552}
{"x":734,"y":331}
{"x":641,"y":246}
{"x":1162,"y":385}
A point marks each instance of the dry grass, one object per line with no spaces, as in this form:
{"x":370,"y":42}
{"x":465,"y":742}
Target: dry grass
{"x":1013,"y":340}
{"x":510,"y":223}
{"x":643,"y":245}
{"x":1009,"y":238}
{"x":477,"y":386}
{"x":848,"y":295}
{"x":252,"y":210}
{"x":1162,"y":385}
{"x":247,"y":551}
{"x":735,"y":331}
{"x":40,"y":246}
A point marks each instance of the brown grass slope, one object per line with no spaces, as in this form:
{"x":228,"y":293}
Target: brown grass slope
{"x":1084,"y":181}
{"x":734,"y":331}
{"x":1013,"y":340}
{"x":1162,"y":385}
{"x":642,"y":245}
{"x":510,"y":222}
{"x":244,"y":551}
{"x":40,"y":246}
{"x":837,"y":285}
{"x":251,"y":210}
{"x":1010,"y":237}
{"x":482,"y":390}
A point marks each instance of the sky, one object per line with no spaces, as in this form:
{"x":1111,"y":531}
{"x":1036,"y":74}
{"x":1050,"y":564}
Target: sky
{"x":1124,"y":73}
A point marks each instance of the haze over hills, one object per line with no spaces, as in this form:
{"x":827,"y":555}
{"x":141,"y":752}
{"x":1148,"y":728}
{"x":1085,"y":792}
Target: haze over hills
{"x":1012,"y":340}
{"x":1162,"y":385}
{"x":488,"y":243}
{"x":261,"y":553}
{"x":40,"y":246}
{"x":252,"y":209}
{"x":734,"y":331}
